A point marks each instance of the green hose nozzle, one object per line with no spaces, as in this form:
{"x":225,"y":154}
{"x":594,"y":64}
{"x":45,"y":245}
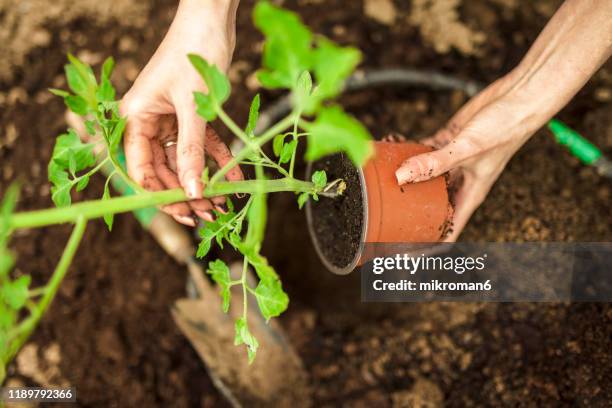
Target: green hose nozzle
{"x":584,"y":150}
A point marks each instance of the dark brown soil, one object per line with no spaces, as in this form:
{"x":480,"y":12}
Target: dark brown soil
{"x":338,"y":222}
{"x":111,"y":320}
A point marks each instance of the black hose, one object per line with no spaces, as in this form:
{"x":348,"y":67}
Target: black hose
{"x":361,"y":80}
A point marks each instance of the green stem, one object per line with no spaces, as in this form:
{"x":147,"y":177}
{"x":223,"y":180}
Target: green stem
{"x":24,"y":330}
{"x":98,"y":208}
{"x":258,"y":142}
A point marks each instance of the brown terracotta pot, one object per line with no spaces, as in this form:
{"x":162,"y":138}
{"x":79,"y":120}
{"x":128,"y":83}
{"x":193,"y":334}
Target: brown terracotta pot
{"x":410,"y":213}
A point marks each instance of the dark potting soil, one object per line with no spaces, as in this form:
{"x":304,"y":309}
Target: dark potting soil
{"x":338,"y":222}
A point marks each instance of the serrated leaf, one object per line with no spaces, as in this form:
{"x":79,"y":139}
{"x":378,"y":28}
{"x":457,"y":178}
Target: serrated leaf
{"x":220,"y":273}
{"x":218,"y":88}
{"x":319,"y":179}
{"x":287,"y":151}
{"x":253,"y":116}
{"x":277,"y":144}
{"x":287,"y":48}
{"x":108,"y":218}
{"x":244,"y":336}
{"x":271,"y":298}
{"x":302,"y":199}
{"x":15,"y":293}
{"x":69,"y":147}
{"x":335,"y":131}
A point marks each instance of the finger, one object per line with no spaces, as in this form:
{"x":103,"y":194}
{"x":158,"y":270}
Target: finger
{"x":467,"y":200}
{"x":429,"y":165}
{"x":222,"y":155}
{"x":190,"y":150}
{"x":169,"y":180}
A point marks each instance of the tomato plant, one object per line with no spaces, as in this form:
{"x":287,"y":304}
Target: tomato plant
{"x":311,"y":67}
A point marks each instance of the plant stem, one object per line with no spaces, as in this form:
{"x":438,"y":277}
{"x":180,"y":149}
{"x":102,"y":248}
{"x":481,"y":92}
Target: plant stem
{"x":27,"y":326}
{"x":98,"y":208}
{"x":248,"y":149}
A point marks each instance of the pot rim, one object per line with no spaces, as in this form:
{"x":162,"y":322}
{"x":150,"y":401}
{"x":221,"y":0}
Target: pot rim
{"x":364,"y":228}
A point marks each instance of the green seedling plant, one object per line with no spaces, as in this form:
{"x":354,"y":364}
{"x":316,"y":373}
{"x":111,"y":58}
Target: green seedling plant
{"x":312,"y":68}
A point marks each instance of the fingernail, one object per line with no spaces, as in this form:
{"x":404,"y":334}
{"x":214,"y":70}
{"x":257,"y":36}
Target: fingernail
{"x":222,"y":208}
{"x":185,"y":219}
{"x":192,"y":188}
{"x":240,"y":195}
{"x":208,"y":216}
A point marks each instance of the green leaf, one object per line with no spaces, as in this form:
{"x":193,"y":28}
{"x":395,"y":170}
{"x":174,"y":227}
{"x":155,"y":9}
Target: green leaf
{"x":207,"y":234}
{"x":256,"y":216}
{"x":15,"y":293}
{"x":218,"y":88}
{"x":335,"y":131}
{"x":108,"y":218}
{"x":277,"y":144}
{"x":68,"y":147}
{"x":287,"y":48}
{"x":81,"y":80}
{"x":90,"y":126}
{"x":83,"y":182}
{"x":301,"y":94}
{"x":287,"y":151}
{"x":333,"y":65}
{"x":9,"y":201}
{"x":244,"y":336}
{"x":302,"y":199}
{"x":60,"y":191}
{"x":271,"y":298}
{"x":253,"y":116}
{"x":76,"y":104}
{"x":319,"y":178}
{"x":262,"y":268}
{"x":6,"y":262}
{"x":220,"y":273}
{"x":59,"y":92}
{"x":117,"y":134}
{"x":107,"y":68}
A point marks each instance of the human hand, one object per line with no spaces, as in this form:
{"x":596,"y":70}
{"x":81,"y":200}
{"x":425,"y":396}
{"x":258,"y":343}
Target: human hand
{"x":479,"y":140}
{"x":165,"y":140}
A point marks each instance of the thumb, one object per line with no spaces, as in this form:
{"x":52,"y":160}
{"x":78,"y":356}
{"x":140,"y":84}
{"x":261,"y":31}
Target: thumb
{"x":190,"y":150}
{"x":426,"y":166}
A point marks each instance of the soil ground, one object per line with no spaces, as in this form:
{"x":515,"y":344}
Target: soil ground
{"x":110,"y":334}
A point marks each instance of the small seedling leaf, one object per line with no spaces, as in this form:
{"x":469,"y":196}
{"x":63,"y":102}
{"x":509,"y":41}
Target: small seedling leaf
{"x":319,"y":178}
{"x":108,"y":218}
{"x":277,"y":144}
{"x":82,"y":183}
{"x":301,"y":94}
{"x":335,"y":131}
{"x":244,"y":336}
{"x":207,"y":234}
{"x":271,"y":298}
{"x":15,"y":293}
{"x":253,"y":116}
{"x":287,"y":152}
{"x":220,"y":273}
{"x":302,"y":199}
